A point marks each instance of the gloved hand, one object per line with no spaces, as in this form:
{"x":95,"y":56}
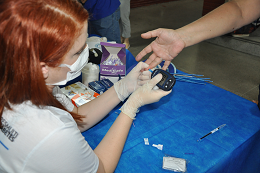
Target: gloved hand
{"x":143,"y":96}
{"x":132,"y":81}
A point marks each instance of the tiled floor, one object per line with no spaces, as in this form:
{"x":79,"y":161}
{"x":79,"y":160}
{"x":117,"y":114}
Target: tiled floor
{"x":231,"y":70}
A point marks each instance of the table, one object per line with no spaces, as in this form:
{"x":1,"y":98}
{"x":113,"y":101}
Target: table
{"x":178,"y":120}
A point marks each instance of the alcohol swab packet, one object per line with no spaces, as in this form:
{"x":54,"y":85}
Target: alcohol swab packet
{"x":174,"y":164}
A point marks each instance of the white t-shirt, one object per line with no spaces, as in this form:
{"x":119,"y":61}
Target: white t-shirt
{"x":45,"y":140}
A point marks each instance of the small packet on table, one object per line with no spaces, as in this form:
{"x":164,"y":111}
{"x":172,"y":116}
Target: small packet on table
{"x":79,"y":93}
{"x":100,"y":86}
{"x":174,"y":164}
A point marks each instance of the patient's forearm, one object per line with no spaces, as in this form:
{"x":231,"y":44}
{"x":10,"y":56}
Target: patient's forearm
{"x":226,"y":18}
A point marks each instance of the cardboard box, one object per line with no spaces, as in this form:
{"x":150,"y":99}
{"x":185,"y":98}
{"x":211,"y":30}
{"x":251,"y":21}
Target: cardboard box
{"x":113,"y":61}
{"x":79,"y":93}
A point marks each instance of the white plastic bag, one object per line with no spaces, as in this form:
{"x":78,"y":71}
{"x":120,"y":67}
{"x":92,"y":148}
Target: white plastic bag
{"x":90,"y":73}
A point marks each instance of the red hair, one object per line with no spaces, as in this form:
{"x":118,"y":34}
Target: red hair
{"x":34,"y":31}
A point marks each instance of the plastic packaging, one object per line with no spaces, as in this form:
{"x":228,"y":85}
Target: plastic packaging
{"x":79,"y":93}
{"x":90,"y":73}
{"x":174,"y":164}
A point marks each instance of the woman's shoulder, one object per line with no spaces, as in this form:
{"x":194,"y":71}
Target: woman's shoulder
{"x":37,"y":123}
{"x":29,"y":114}
{"x":29,"y":131}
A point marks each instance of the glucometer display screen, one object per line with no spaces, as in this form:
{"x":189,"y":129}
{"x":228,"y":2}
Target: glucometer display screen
{"x":167,"y":81}
{"x":164,"y":77}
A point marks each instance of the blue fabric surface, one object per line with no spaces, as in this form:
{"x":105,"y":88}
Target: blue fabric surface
{"x":178,"y":120}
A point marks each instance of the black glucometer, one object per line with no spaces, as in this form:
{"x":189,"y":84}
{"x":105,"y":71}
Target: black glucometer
{"x":167,"y":81}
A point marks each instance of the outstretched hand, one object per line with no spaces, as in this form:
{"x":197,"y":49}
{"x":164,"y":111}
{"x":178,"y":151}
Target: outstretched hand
{"x":166,"y":46}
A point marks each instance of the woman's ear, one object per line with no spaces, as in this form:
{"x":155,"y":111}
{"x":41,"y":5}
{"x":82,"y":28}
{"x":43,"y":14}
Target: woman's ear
{"x":45,"y":70}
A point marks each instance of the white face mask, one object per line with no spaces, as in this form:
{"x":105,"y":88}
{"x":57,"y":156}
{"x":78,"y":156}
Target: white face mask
{"x":75,"y":68}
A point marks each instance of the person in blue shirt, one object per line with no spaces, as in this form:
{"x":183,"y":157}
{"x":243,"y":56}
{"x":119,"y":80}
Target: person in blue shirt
{"x":104,"y":18}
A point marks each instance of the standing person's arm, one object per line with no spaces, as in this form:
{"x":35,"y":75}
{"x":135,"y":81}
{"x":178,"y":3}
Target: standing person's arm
{"x":226,"y":18}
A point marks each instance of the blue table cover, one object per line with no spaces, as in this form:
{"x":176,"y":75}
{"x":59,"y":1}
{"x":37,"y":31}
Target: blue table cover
{"x":178,"y":120}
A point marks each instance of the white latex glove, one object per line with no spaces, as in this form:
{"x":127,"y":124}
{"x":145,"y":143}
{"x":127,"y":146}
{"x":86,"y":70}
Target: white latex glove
{"x":132,"y":81}
{"x":65,"y":101}
{"x":143,"y":96}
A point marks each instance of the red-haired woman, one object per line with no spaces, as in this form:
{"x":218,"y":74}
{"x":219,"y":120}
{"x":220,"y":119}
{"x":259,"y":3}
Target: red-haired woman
{"x":43,"y":44}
